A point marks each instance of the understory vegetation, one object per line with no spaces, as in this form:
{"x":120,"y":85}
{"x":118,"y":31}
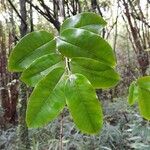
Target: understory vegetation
{"x":123,"y":129}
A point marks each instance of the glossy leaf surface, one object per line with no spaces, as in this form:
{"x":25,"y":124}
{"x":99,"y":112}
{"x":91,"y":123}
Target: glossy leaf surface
{"x":46,"y":100}
{"x":99,"y":74}
{"x":88,"y":21}
{"x":29,"y":48}
{"x":40,"y":68}
{"x":133,"y":93}
{"x":92,"y":62}
{"x":83,"y":104}
{"x":82,"y":43}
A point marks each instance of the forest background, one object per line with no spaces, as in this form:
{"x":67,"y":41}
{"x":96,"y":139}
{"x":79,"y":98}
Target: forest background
{"x":128,"y":32}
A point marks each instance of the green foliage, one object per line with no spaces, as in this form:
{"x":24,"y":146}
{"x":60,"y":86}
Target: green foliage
{"x":47,"y":99}
{"x":81,"y":99}
{"x":29,"y":48}
{"x":40,"y":68}
{"x":144,"y":82}
{"x":140,"y":91}
{"x":41,"y":59}
{"x":87,"y":21}
{"x":133,"y":93}
{"x":81,"y":43}
{"x":116,"y":133}
{"x":98,"y":73}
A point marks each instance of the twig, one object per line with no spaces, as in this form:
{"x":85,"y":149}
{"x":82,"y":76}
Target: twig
{"x":17,"y":12}
{"x":61,"y":131}
{"x":46,"y":15}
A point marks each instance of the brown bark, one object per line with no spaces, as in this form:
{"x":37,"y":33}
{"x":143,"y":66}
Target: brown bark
{"x":21,"y":17}
{"x":6,"y":105}
{"x":94,"y":5}
{"x":3,"y":77}
{"x":23,"y":130}
{"x":14,"y":101}
{"x":142,"y":55}
{"x":23,"y":26}
{"x":31,"y":19}
{"x":13,"y":77}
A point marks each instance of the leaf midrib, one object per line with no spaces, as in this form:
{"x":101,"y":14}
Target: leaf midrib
{"x":83,"y":50}
{"x":83,"y":104}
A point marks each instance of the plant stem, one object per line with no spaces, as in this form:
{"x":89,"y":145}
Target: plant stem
{"x":67,"y":66}
{"x":61,"y":132}
{"x":68,"y":72}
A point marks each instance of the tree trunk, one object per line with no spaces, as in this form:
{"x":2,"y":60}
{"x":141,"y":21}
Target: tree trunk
{"x":142,"y":55}
{"x":31,"y":18}
{"x":23,"y":130}
{"x":6,"y":105}
{"x":13,"y":77}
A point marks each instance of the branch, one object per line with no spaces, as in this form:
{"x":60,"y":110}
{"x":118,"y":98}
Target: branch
{"x":48,"y":10}
{"x":138,"y":17}
{"x":129,"y":34}
{"x":113,"y":25}
{"x":17,"y":12}
{"x":38,"y":9}
{"x":47,"y":16}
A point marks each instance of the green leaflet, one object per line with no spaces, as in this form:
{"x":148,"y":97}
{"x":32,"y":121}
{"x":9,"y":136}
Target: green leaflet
{"x":133,"y":93}
{"x":144,"y":102}
{"x":82,"y":43}
{"x":99,"y":74}
{"x":140,"y":90}
{"x":83,"y":104}
{"x":46,"y":100}
{"x":40,"y":68}
{"x":29,"y":48}
{"x":144,"y":96}
{"x":144,"y":82}
{"x":87,"y":20}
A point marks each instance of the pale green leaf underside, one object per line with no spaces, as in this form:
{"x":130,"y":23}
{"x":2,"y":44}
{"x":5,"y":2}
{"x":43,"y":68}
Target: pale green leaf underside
{"x":140,"y":90}
{"x":144,"y":82}
{"x":133,"y":93}
{"x":87,"y":20}
{"x":99,"y":74}
{"x":47,"y":99}
{"x":29,"y":48}
{"x":144,"y":102}
{"x":83,"y":104}
{"x":144,"y":96}
{"x":82,"y":43}
{"x":40,"y":68}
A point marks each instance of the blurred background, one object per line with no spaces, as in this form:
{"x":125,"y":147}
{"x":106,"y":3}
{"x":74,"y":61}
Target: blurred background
{"x":127,"y":31}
